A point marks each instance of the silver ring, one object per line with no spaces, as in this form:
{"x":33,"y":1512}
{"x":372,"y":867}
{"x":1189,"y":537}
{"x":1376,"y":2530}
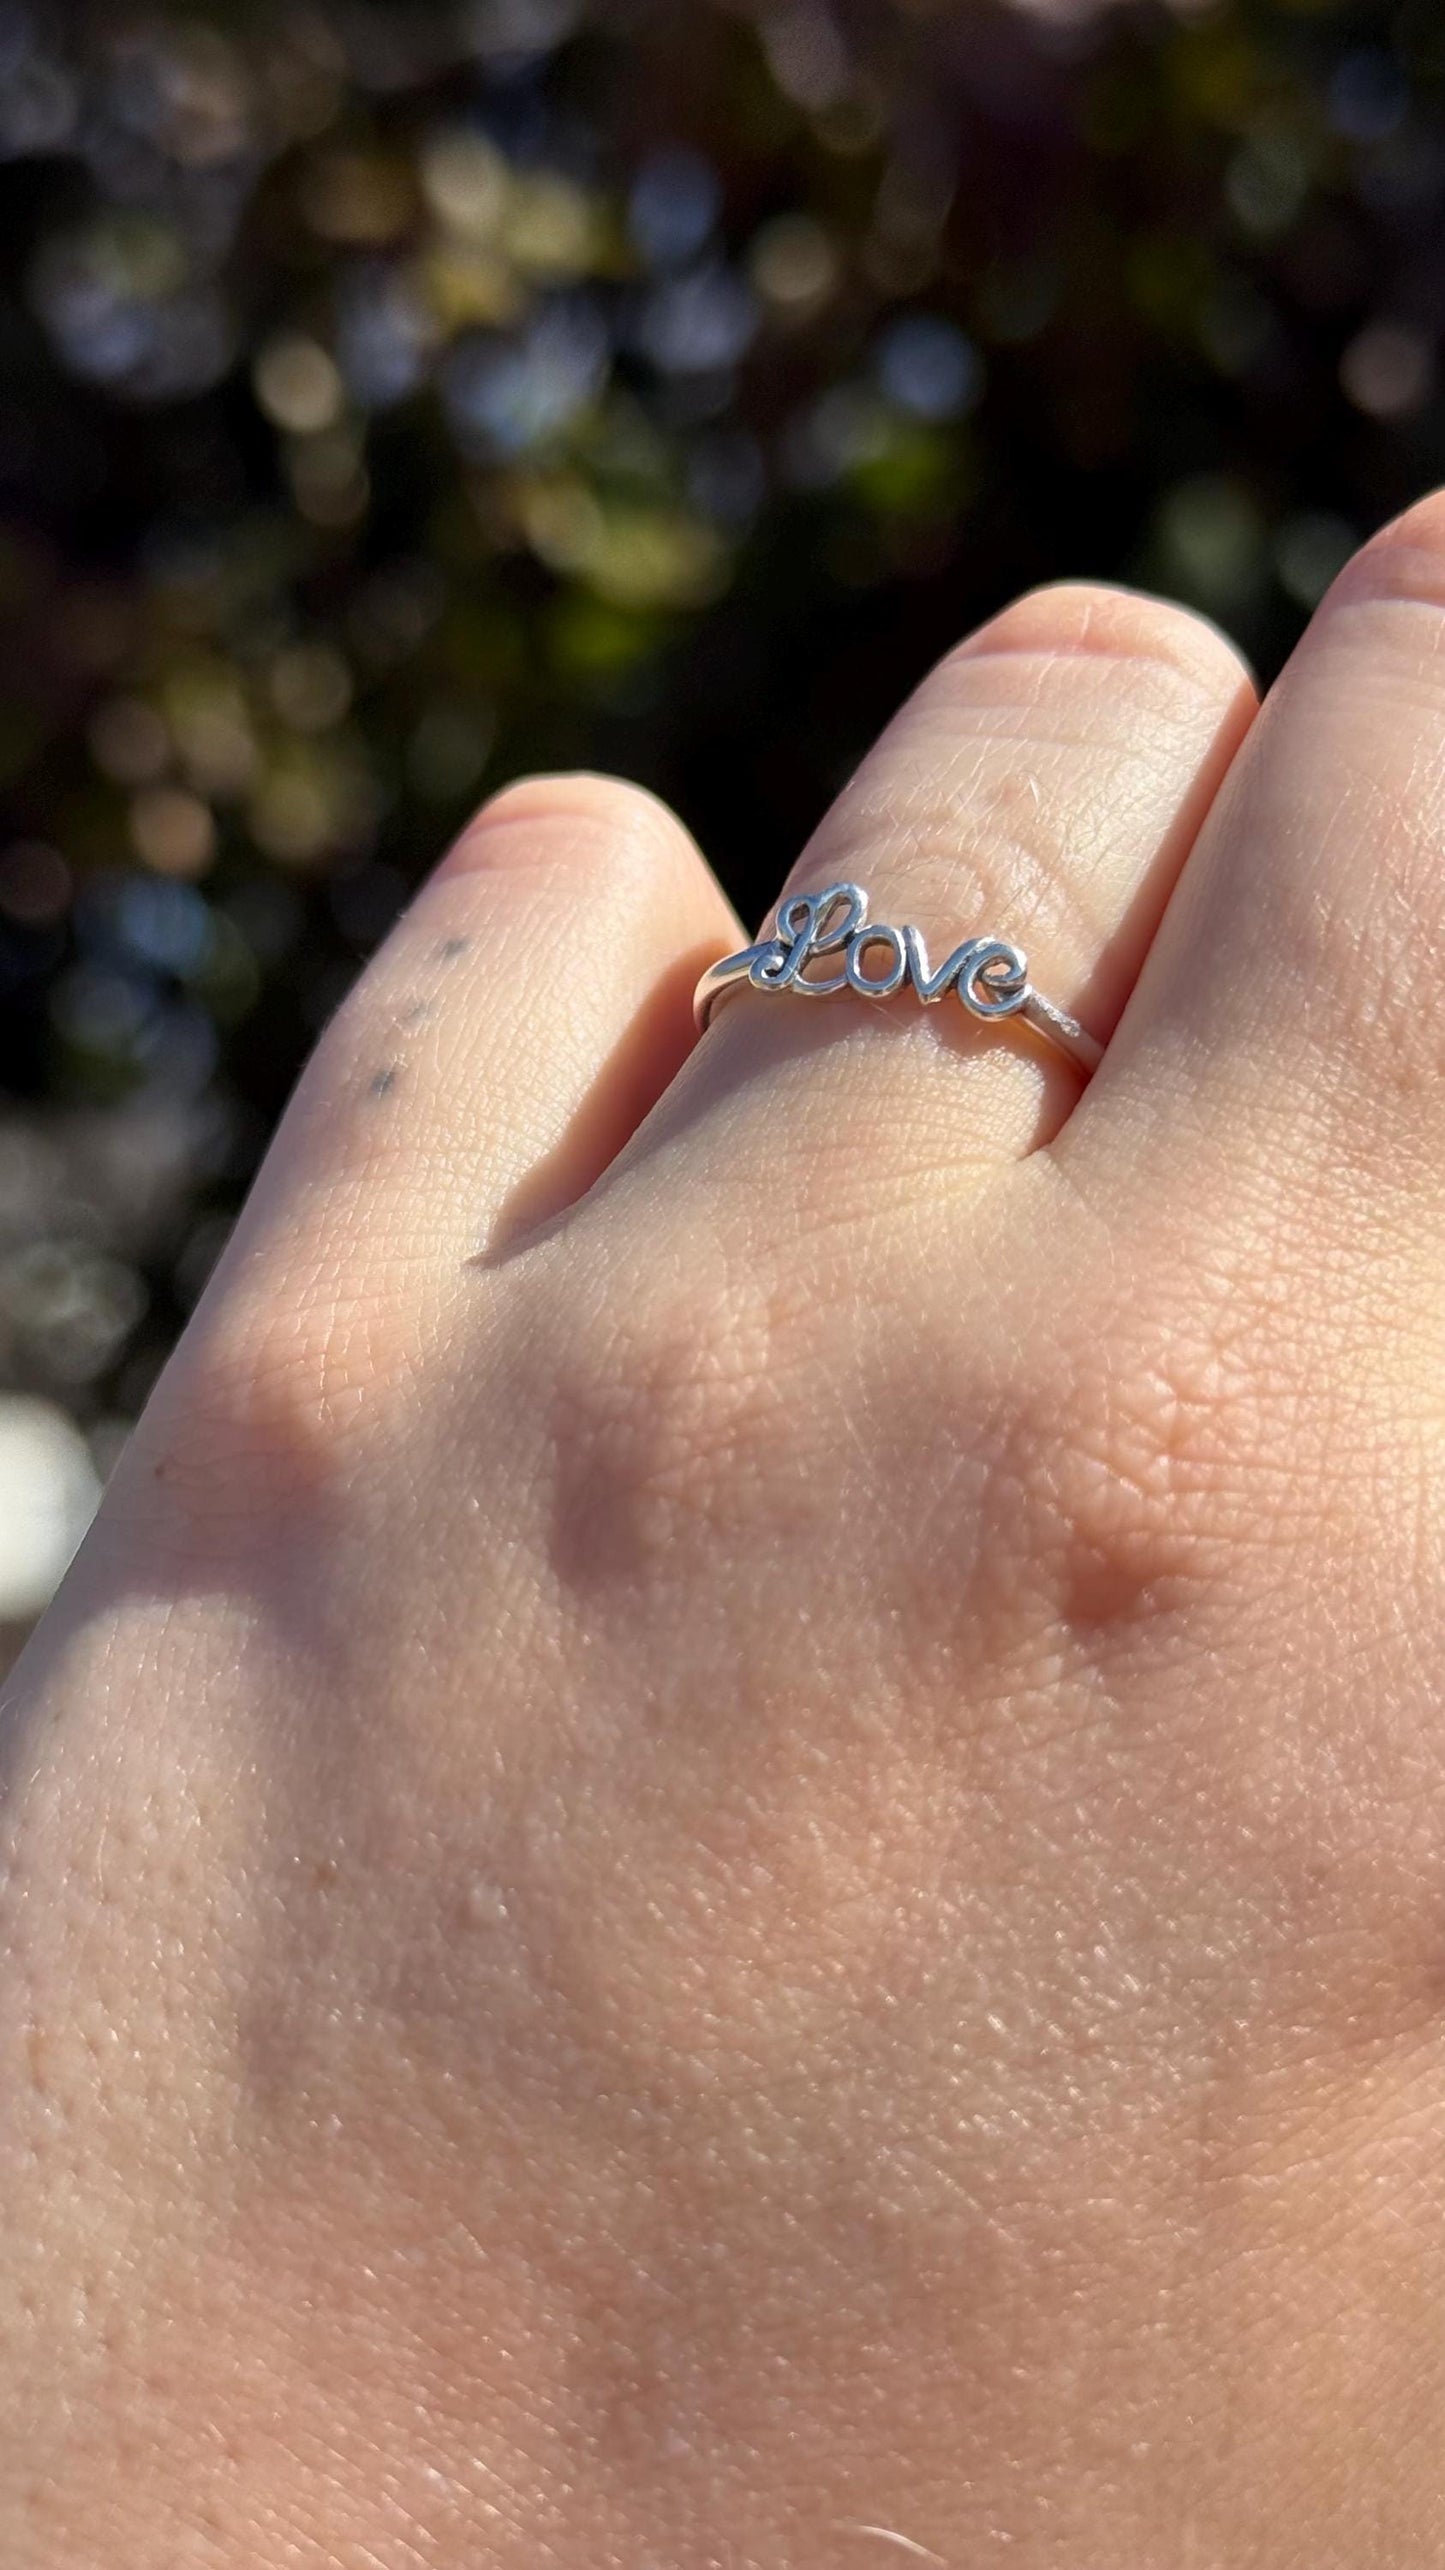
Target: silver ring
{"x":990,"y":976}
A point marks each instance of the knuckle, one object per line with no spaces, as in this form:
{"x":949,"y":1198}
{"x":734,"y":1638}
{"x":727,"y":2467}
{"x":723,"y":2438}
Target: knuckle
{"x":1113,"y":1474}
{"x":1403,"y":563}
{"x":268,"y":1410}
{"x":1155,"y":1456}
{"x":1086,"y":620}
{"x":675,"y":1422}
{"x":572,"y":821}
{"x":1208,"y":1444}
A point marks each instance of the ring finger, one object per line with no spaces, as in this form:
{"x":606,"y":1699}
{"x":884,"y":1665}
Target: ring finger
{"x":1044,"y":786}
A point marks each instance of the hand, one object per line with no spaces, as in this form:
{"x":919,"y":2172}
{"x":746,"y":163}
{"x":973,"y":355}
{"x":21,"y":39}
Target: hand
{"x":730,"y":1854}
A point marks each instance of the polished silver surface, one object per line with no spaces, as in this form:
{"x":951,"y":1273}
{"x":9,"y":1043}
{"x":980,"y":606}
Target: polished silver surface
{"x":990,"y":976}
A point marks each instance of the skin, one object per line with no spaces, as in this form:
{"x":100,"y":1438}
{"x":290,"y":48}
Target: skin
{"x":731,"y":1853}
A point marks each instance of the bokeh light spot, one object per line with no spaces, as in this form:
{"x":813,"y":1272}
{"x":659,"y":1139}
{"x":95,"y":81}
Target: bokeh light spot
{"x":171,"y":831}
{"x":1389,"y":370}
{"x":298,"y":385}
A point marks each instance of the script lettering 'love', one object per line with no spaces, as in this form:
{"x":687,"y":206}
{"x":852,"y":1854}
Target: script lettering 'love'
{"x":989,"y":975}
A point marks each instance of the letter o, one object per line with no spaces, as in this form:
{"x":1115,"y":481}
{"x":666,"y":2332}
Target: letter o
{"x":892,"y":979}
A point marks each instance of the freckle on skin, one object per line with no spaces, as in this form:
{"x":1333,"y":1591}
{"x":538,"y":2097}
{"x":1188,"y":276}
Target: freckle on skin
{"x":384,"y":1082}
{"x":452,"y":947}
{"x":413,"y":1016}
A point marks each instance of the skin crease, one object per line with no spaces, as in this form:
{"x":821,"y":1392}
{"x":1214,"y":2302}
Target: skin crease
{"x":729,"y":1855}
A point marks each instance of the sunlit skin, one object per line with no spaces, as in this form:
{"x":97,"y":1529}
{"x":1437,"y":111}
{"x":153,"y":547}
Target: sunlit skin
{"x":731,"y":1854}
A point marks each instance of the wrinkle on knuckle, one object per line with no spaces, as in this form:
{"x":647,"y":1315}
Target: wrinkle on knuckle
{"x":1404,"y":564}
{"x":1083,"y":621}
{"x":582,"y":823}
{"x":966,"y":828}
{"x":1130,"y":686}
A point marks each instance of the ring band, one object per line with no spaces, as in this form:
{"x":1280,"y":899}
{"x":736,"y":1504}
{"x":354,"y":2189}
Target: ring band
{"x":990,"y":976}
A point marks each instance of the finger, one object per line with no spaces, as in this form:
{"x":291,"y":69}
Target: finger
{"x":517,"y":1025}
{"x":1287,"y":1017}
{"x":1043,"y":786}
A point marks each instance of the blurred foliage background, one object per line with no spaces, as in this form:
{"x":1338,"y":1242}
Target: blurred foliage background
{"x":395,"y":398}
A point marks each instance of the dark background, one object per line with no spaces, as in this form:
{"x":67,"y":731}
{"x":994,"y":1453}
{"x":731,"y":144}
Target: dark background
{"x":393,"y":399}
